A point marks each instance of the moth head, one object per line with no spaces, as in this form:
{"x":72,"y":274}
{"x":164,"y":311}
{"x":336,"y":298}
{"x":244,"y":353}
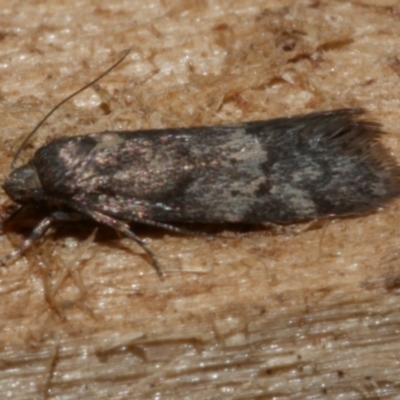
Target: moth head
{"x":23,"y":185}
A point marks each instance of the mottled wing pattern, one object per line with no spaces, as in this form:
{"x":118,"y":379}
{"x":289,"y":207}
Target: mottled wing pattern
{"x":282,"y":170}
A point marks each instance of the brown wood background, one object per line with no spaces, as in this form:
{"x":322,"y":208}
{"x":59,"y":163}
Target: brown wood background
{"x":311,"y":312}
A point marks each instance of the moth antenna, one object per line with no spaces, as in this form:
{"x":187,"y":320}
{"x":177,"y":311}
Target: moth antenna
{"x":55,"y":108}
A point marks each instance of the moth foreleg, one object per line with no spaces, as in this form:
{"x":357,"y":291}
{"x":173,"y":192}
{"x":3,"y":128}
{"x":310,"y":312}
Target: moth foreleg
{"x":39,"y":230}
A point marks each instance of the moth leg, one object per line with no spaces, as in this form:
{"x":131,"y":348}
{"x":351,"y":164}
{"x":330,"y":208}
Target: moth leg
{"x":125,"y":229}
{"x":167,"y":227}
{"x":39,"y":230}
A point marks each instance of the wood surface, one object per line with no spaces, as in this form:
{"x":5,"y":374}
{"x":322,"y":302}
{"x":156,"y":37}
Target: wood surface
{"x":309,"y":311}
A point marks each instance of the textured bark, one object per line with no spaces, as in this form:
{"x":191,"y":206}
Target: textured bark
{"x":308,"y":311}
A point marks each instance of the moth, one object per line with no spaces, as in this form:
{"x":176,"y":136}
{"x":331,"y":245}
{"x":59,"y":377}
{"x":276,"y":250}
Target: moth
{"x":281,"y":171}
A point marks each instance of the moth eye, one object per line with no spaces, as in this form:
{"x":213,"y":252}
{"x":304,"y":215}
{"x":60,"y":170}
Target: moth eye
{"x":37,"y":194}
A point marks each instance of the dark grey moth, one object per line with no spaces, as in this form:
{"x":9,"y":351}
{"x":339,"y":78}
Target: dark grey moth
{"x":282,"y":170}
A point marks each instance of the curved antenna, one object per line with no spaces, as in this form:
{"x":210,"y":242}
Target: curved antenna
{"x":55,"y":108}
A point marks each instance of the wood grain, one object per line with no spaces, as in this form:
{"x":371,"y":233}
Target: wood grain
{"x":307,"y":312}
